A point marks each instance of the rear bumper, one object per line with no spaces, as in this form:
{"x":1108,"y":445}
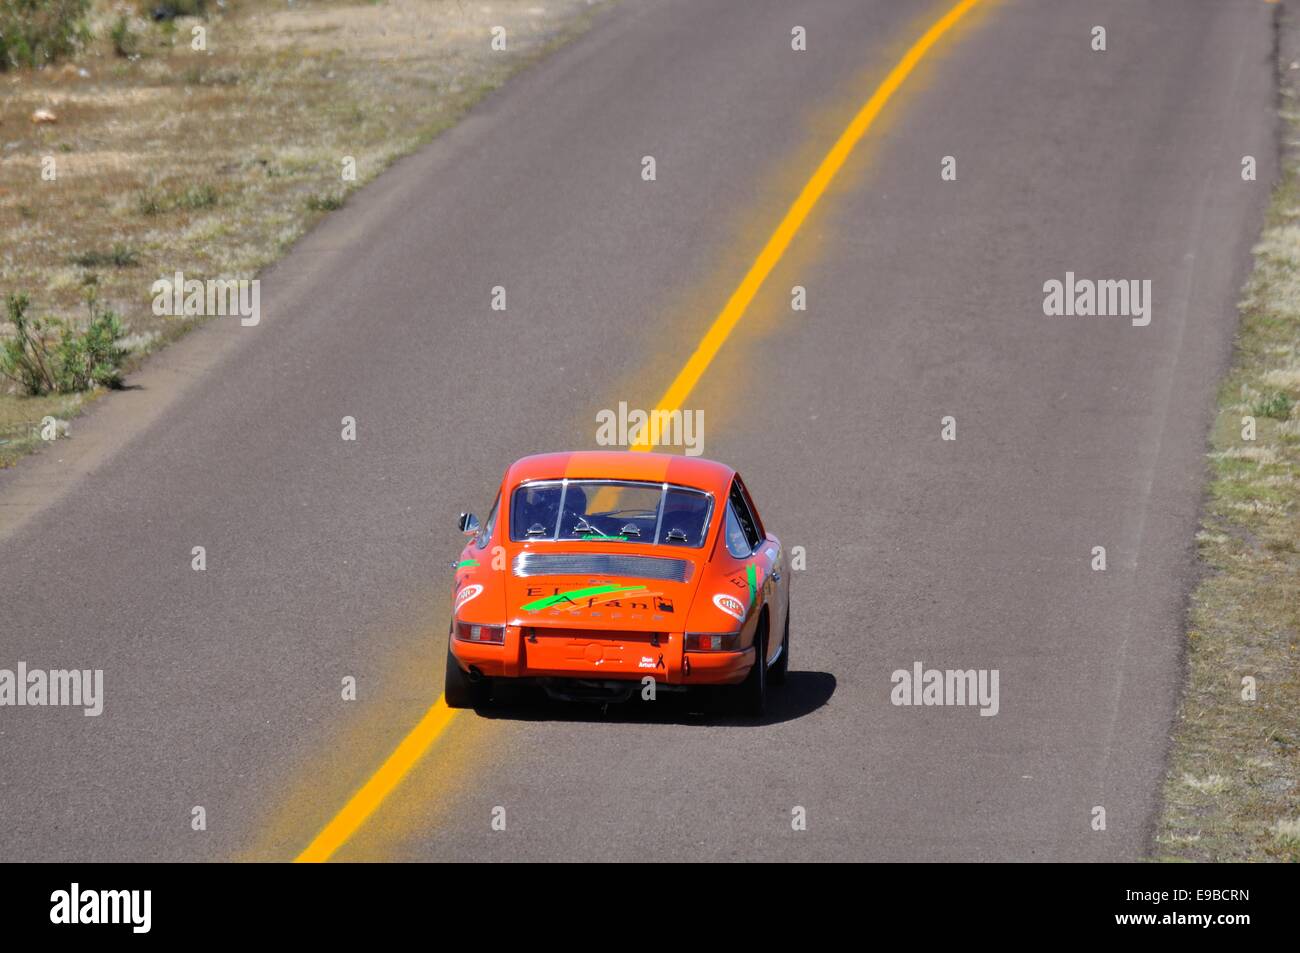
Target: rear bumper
{"x":535,"y":653}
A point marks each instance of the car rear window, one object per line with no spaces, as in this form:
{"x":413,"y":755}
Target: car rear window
{"x":610,"y":511}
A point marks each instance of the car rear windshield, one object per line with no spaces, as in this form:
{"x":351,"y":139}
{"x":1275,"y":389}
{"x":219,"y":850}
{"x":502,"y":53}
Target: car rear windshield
{"x":610,"y":511}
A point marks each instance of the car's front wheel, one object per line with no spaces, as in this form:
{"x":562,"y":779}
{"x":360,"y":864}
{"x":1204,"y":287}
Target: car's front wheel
{"x":458,"y":690}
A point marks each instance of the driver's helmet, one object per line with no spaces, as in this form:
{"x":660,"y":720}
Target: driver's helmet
{"x":575,"y":502}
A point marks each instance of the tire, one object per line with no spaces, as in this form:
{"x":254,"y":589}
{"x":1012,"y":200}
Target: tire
{"x":753,"y":690}
{"x":457,"y":689}
{"x":776,"y":674}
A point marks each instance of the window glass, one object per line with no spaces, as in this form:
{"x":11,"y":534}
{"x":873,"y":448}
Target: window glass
{"x":737,"y":543}
{"x":747,"y":524}
{"x":535,"y":511}
{"x":485,"y":533}
{"x":753,"y":510}
{"x":686,"y":518}
{"x":610,"y":511}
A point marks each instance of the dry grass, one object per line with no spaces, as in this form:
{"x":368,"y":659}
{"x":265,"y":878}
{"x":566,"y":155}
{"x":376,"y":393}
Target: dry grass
{"x":1233,"y":787}
{"x":213,"y":163}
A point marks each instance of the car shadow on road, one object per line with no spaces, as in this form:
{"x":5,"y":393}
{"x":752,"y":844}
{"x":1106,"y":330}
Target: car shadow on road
{"x":802,"y":694}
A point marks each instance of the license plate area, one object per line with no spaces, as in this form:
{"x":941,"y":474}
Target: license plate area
{"x":594,"y":650}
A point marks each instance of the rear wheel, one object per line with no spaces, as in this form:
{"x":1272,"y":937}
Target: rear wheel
{"x":458,"y":691}
{"x":776,"y":674}
{"x":753,"y":690}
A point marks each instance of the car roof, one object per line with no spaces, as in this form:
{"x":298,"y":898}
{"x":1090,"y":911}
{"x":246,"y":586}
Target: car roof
{"x":694,"y":472}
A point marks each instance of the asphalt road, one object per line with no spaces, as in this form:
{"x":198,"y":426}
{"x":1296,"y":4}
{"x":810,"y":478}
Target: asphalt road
{"x":328,"y":559}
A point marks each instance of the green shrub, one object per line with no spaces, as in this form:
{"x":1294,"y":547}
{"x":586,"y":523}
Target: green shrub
{"x":325,"y":202}
{"x":193,"y":198}
{"x":28,"y":356}
{"x":1277,"y":406}
{"x":125,"y":42}
{"x":119,"y":257}
{"x":197,"y":197}
{"x":34,"y":32}
{"x":151,"y":202}
{"x":46,"y":355}
{"x":93,"y":357}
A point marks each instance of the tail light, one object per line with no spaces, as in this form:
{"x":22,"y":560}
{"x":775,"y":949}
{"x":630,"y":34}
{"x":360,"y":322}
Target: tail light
{"x":712,"y":642}
{"x":484,"y":634}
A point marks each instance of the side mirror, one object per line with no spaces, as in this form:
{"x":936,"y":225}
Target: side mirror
{"x":468,"y":524}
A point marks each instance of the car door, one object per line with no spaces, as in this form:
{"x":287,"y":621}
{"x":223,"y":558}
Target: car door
{"x":760,"y":559}
{"x":778,"y":597}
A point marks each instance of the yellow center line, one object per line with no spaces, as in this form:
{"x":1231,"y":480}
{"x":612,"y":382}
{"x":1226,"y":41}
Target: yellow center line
{"x":381,"y":783}
{"x":435,"y":721}
{"x":740,"y":299}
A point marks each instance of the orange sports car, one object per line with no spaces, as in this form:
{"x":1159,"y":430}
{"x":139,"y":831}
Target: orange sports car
{"x":596,"y":572}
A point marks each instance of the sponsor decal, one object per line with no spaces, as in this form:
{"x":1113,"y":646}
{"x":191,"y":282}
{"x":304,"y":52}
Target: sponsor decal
{"x":633,"y":599}
{"x":467,"y":564}
{"x":580,"y":598}
{"x":751,"y":576}
{"x":468,"y":594}
{"x":730,"y":605}
{"x":641,"y":604}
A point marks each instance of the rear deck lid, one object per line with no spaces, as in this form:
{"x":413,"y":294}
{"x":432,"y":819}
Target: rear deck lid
{"x":594,"y":590}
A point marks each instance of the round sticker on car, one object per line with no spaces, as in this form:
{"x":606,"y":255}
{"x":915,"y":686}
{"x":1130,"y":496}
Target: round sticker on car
{"x":730,"y":605}
{"x":466,"y":594}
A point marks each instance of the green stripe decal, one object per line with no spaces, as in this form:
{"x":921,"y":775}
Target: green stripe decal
{"x":753,"y":582}
{"x":467,"y":562}
{"x":574,"y":595}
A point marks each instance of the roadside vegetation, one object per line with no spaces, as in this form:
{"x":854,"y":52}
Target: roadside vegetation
{"x":126,"y":154}
{"x":37,"y":32}
{"x":1233,"y":788}
{"x":48,"y":356}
